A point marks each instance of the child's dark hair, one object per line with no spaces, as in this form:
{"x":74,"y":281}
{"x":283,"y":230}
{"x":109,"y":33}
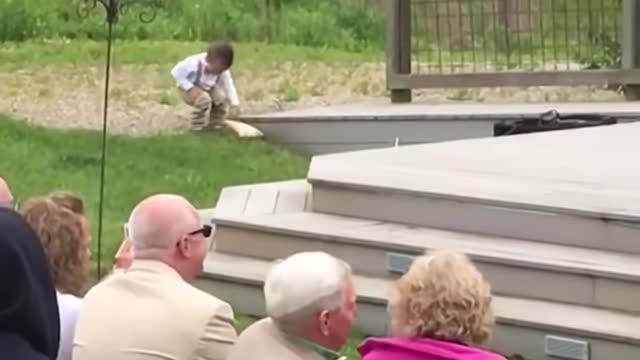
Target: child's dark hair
{"x":223,"y":51}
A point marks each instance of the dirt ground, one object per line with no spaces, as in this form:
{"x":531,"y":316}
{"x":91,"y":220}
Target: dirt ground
{"x":143,"y":100}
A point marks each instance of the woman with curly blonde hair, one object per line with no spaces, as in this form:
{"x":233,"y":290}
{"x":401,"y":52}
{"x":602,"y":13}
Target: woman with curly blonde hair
{"x":60,"y":223}
{"x":439,"y":310}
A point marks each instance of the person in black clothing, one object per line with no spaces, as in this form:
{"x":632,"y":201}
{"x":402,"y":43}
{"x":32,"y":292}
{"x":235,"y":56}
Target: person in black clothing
{"x":29,"y":320}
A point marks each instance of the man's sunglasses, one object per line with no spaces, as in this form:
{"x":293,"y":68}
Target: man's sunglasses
{"x":204,"y":230}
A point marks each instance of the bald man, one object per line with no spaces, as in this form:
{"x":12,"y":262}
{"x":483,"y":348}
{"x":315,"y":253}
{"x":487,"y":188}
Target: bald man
{"x":6,"y":198}
{"x":149,"y":311}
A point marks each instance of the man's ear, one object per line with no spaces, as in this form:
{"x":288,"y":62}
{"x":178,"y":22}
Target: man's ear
{"x":184,"y":247}
{"x":323,"y":319}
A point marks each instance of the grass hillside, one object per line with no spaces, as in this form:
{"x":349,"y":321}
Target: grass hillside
{"x":36,"y":160}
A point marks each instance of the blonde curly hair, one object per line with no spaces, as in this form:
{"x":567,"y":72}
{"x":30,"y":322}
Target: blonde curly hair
{"x":60,"y":231}
{"x":443,"y":296}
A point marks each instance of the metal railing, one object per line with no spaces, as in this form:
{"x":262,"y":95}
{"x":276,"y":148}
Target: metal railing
{"x":490,"y":43}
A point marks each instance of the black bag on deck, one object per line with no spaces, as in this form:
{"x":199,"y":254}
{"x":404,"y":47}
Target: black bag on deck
{"x":550,"y":121}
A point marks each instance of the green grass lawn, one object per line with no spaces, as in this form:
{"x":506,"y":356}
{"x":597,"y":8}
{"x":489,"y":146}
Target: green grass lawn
{"x":82,"y":52}
{"x":37,"y":160}
{"x":252,"y":54}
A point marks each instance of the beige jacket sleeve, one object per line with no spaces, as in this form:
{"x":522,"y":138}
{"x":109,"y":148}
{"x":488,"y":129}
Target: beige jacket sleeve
{"x":218,"y":337}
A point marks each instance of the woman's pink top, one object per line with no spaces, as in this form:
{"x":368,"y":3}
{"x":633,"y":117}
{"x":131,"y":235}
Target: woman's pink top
{"x":402,"y":348}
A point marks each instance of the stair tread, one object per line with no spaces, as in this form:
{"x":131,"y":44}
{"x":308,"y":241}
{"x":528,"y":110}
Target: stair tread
{"x":535,"y":313}
{"x":399,"y":237}
{"x":265,"y":198}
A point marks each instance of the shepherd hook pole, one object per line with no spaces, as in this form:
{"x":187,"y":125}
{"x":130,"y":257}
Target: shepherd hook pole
{"x":114,"y":9}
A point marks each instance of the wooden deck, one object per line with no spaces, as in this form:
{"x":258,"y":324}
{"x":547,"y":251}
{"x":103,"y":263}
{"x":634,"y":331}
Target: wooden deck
{"x":339,"y":128}
{"x":586,"y":171}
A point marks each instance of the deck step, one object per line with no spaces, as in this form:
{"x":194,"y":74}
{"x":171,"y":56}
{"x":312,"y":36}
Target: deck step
{"x":265,"y":198}
{"x":555,"y":187}
{"x":523,"y":324}
{"x":552,"y":272}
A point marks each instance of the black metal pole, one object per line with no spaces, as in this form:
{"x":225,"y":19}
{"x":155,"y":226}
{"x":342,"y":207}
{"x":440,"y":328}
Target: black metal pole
{"x":103,"y":161}
{"x":113,"y":8}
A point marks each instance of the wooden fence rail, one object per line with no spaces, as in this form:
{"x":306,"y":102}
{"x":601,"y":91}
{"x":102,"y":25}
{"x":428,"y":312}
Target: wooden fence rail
{"x":496,"y":43}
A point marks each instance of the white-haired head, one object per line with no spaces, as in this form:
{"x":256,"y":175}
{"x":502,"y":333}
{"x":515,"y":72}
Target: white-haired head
{"x":304,"y":283}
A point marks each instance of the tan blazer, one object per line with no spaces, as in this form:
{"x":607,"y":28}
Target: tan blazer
{"x":264,"y":341}
{"x":150,"y":313}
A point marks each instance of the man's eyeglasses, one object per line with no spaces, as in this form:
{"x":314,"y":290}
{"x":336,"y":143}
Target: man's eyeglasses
{"x":204,"y":230}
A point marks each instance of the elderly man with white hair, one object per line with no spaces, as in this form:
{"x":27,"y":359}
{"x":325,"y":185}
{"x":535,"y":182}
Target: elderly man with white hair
{"x":6,"y":198}
{"x":149,"y":311}
{"x":310,"y":302}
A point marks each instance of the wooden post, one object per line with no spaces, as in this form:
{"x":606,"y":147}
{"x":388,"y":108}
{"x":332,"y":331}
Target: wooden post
{"x":399,"y":45}
{"x":631,"y":44}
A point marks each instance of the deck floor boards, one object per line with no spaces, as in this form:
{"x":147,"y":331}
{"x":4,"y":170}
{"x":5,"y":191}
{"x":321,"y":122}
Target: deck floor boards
{"x":590,"y":171}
